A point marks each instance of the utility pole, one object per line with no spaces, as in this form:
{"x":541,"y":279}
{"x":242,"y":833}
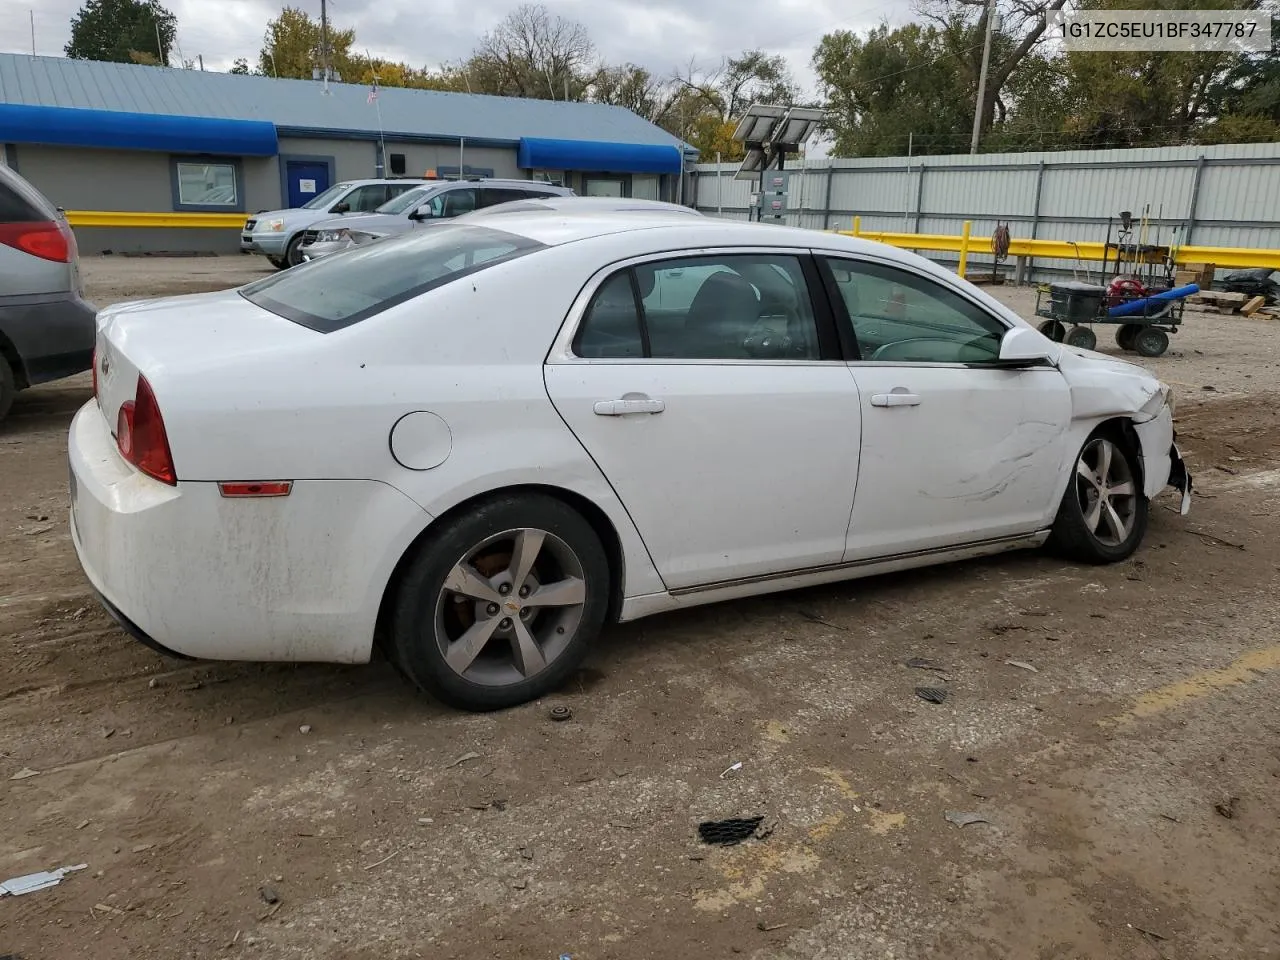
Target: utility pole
{"x":324,"y":44}
{"x":982,"y":77}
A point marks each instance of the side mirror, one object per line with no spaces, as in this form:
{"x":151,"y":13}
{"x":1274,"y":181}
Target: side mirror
{"x":342,"y":207}
{"x":421,"y":213}
{"x":1022,"y":346}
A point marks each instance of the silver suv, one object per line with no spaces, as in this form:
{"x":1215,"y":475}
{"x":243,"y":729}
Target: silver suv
{"x":423,"y":205}
{"x":47,"y":329}
{"x":277,"y":234}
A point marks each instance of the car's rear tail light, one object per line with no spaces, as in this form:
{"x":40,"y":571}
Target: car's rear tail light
{"x":256,"y":488}
{"x":46,"y":239}
{"x":141,"y":437}
{"x":94,"y":367}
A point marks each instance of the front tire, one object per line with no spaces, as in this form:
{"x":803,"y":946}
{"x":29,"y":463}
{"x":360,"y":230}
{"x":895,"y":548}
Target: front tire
{"x":501,"y":604}
{"x":277,"y":262}
{"x":293,"y":252}
{"x":1103,"y":514}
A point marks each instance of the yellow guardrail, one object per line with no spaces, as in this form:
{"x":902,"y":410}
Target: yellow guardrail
{"x":964,"y":245}
{"x":128,"y":218}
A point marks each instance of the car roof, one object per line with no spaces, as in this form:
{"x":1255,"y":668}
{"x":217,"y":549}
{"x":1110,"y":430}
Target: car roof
{"x":668,"y":231}
{"x":574,"y":204}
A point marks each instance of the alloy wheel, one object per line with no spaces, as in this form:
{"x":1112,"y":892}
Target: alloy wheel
{"x":1107,"y":492}
{"x":510,"y":606}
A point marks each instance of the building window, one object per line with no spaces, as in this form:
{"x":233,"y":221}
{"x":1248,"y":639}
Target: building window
{"x":206,"y":185}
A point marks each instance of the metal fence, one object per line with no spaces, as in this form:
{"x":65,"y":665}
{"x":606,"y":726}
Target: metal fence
{"x":1220,"y":196}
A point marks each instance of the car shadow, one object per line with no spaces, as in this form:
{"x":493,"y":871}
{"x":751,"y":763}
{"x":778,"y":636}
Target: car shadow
{"x":46,"y":407}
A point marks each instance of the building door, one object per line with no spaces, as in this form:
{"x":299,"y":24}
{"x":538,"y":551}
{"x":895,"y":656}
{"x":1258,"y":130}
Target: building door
{"x":603,"y":187}
{"x":306,"y":180}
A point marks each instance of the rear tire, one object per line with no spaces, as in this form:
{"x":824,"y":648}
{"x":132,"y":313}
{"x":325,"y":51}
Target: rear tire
{"x":1055,"y":330}
{"x":1150,"y":342}
{"x":1103,"y":514}
{"x":468,"y":626}
{"x":1125,"y":335}
{"x":1081,"y":337}
{"x":8,"y":387}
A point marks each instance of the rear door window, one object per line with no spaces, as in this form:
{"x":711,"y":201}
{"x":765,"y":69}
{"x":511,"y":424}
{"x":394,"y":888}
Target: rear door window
{"x":492,"y":196}
{"x":336,"y":292}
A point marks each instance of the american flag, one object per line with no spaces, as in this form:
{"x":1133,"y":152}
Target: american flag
{"x":373,"y":92}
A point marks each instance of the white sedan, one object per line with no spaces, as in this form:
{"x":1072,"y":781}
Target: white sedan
{"x":477,"y":444}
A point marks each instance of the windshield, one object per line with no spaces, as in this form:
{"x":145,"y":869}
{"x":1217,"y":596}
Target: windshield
{"x":406,"y":201}
{"x":335,"y":292}
{"x":329,"y":196}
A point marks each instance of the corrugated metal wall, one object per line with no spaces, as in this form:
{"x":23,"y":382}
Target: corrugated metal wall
{"x":1225,"y":195}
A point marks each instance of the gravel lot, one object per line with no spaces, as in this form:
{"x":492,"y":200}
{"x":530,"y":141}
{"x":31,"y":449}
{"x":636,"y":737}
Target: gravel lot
{"x":383,"y":825}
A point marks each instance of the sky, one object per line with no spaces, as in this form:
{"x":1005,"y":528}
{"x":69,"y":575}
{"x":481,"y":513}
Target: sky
{"x":661,"y":35}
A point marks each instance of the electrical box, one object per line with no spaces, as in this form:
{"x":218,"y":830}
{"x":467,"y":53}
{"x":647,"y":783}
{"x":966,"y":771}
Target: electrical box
{"x":771,"y":202}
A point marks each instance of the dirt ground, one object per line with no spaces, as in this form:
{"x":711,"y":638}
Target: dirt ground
{"x":1129,"y":783}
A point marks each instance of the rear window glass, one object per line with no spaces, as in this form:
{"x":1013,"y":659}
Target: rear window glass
{"x":346,"y":288}
{"x":15,"y":207}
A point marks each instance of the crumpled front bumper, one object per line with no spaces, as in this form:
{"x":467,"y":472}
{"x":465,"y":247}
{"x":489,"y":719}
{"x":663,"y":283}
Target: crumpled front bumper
{"x":1180,"y":477}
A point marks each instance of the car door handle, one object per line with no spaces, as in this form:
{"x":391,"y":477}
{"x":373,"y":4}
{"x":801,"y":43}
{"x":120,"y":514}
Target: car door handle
{"x":895,"y":400}
{"x":620,"y":408}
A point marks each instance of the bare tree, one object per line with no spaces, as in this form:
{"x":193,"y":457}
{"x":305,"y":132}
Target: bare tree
{"x":532,"y":54}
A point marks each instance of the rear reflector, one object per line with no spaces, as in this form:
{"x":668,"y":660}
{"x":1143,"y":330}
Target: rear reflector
{"x":256,"y":488}
{"x":41,"y":238}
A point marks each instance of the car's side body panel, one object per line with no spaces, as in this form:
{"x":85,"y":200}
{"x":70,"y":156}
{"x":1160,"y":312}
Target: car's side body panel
{"x":288,"y":578}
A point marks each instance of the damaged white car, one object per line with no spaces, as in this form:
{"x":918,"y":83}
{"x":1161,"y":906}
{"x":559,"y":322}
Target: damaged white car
{"x":479,"y":443}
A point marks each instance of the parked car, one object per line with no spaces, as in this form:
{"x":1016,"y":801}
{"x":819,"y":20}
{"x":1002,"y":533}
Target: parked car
{"x":576,"y":204}
{"x":46,"y":326}
{"x":480,"y":443}
{"x":277,"y":234}
{"x":422,"y":206}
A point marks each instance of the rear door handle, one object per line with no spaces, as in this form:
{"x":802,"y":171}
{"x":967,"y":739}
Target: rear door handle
{"x":895,"y":400}
{"x":620,"y":408}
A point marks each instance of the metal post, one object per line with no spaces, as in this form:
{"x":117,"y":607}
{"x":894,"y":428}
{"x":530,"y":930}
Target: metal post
{"x":826,"y":204}
{"x":907,"y":181}
{"x":982,"y":77}
{"x":1030,"y":262}
{"x":719,"y":188}
{"x":919,"y":195}
{"x":1195,"y":201}
{"x":964,"y":247}
{"x":33,"y":33}
{"x":857,"y":226}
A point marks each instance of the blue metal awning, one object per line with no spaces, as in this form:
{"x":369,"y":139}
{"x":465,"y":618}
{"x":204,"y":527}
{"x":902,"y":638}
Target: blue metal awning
{"x":539,"y":154}
{"x":73,"y":127}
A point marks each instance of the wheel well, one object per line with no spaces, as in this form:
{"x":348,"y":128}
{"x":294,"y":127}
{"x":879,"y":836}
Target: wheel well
{"x":10,"y":354}
{"x":598,"y":519}
{"x":1121,"y":428}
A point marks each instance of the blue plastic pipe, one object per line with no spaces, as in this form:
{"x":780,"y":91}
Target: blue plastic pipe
{"x":1140,"y":306}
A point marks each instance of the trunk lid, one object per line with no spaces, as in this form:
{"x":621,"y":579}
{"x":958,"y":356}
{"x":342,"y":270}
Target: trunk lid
{"x":172,"y":338}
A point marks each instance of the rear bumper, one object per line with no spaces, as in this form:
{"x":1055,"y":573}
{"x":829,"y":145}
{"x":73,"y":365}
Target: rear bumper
{"x":53,"y":335}
{"x":188,"y":572}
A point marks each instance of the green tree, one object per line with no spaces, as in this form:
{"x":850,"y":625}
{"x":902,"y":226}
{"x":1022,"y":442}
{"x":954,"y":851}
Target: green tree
{"x":241,"y":66}
{"x":122,"y":31}
{"x":293,"y":47}
{"x":894,"y":88}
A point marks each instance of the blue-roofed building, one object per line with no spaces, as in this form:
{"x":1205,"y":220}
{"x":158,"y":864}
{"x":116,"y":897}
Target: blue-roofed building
{"x":205,"y":150}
